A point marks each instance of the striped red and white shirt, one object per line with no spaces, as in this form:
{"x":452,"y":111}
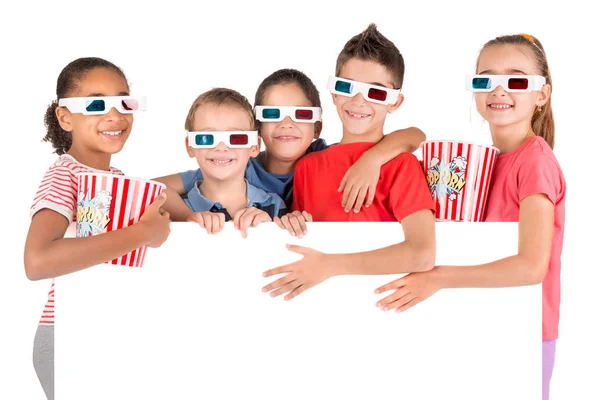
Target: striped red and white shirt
{"x":58,"y":192}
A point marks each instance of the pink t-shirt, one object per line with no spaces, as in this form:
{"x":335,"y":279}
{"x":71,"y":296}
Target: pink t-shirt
{"x":532,"y":169}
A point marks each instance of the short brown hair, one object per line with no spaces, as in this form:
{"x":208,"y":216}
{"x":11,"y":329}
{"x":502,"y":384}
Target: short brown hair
{"x":219,"y":97}
{"x":371,"y":45}
{"x":287,"y":76}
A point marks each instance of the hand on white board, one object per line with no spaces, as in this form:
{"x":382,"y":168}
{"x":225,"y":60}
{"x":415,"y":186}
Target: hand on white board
{"x":410,"y":290}
{"x":248,"y":217}
{"x":301,"y":275}
{"x":212,"y":222}
{"x":294,"y":222}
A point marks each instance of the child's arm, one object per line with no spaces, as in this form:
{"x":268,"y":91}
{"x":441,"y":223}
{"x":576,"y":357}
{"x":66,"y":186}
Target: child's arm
{"x":360,"y":181}
{"x":415,"y":253}
{"x":175,"y":205}
{"x":48,"y":254}
{"x":527,"y":267}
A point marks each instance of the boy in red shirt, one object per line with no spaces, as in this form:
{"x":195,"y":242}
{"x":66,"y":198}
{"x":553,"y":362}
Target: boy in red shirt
{"x":369,"y":75}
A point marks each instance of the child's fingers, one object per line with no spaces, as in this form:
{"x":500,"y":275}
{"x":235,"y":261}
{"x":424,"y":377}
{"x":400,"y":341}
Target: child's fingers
{"x":302,"y":224}
{"x":245,"y":222}
{"x":208,"y":222}
{"x":387,"y":301}
{"x":237,"y":217}
{"x":370,"y":196}
{"x":390,"y":286}
{"x":220,"y":221}
{"x":408,"y":305}
{"x":346,"y":195}
{"x":307,"y":216}
{"x":351,"y":199}
{"x":278,"y":222}
{"x":287,"y":224}
{"x":285,"y":288}
{"x":296,"y":292}
{"x":343,"y":183}
{"x":260,"y":218}
{"x":216,"y":223}
{"x":297,"y":227}
{"x":362,"y":193}
{"x":279,"y":282}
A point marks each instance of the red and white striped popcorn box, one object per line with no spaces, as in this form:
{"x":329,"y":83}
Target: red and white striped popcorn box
{"x":458,"y":175}
{"x":108,"y":202}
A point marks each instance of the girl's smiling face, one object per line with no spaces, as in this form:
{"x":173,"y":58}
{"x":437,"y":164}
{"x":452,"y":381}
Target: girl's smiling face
{"x":98,"y":133}
{"x":501,"y":108}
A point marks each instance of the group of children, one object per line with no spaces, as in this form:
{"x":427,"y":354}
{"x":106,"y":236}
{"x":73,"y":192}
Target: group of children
{"x":298,"y":178}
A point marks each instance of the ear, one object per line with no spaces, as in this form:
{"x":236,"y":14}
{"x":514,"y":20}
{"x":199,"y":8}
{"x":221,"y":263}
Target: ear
{"x":392,"y":108}
{"x":64,"y":117}
{"x":255,"y":150}
{"x":544,"y":95}
{"x":189,"y":149}
{"x":333,"y":97}
{"x":318,"y":129}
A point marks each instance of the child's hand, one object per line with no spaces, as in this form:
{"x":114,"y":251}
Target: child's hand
{"x":156,"y":222}
{"x":294,"y":222}
{"x":360,"y":183}
{"x":248,"y":217}
{"x":312,"y":269}
{"x":411,"y":289}
{"x":212,"y":222}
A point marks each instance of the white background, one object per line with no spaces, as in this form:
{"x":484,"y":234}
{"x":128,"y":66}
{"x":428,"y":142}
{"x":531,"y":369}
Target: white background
{"x":173,"y":51}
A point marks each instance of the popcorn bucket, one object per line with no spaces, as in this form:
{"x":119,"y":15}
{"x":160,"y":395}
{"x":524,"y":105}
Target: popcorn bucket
{"x":108,"y":202}
{"x":458,"y":175}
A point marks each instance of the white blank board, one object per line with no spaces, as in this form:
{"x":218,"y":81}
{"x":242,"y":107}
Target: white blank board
{"x":193,"y":323}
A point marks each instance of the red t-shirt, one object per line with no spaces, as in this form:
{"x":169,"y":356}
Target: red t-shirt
{"x":532,"y":169}
{"x":401,"y":190}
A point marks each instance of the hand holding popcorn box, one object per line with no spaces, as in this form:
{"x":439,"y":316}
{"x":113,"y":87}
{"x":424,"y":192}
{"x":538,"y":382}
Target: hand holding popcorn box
{"x":108,"y":202}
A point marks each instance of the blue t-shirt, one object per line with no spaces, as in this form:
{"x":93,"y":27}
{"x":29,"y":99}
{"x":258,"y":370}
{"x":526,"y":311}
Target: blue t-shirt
{"x":271,"y":203}
{"x":257,"y":175}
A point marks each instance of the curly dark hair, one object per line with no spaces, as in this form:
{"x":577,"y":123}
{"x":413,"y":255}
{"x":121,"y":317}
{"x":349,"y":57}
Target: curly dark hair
{"x":67,"y":81}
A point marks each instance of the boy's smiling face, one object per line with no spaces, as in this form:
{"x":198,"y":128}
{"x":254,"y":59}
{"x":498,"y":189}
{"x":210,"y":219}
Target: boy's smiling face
{"x":221,"y":162}
{"x":359,"y":116}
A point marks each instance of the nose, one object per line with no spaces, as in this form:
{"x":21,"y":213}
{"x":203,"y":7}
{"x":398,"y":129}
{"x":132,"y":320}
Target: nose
{"x":286,"y":122}
{"x":358,"y":99}
{"x":499,"y":91}
{"x":221,"y":147}
{"x":113,"y":115}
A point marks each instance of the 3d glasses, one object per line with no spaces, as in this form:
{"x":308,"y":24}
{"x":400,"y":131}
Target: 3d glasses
{"x":373,"y":93}
{"x":296,"y":114}
{"x":232,"y":139}
{"x":510,"y":83}
{"x":102,"y":105}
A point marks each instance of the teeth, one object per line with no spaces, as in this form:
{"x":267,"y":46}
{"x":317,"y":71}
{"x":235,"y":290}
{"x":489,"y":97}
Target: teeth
{"x":221,"y":161}
{"x":111,"y":133}
{"x":357,"y":115}
{"x":501,"y":106}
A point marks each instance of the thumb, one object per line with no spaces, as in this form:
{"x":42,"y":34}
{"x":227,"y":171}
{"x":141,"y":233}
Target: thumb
{"x":159,"y":201}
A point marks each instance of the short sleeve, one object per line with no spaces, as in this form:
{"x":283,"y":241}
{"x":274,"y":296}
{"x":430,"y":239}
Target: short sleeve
{"x":540,"y":174}
{"x":57,"y":192}
{"x":409,"y":192}
{"x":189,"y":178}
{"x":298,"y":203}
